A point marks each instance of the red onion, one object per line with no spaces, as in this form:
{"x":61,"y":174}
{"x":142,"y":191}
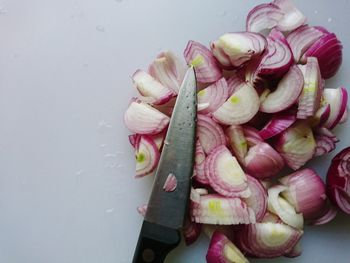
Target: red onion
{"x":337,"y":99}
{"x":328,"y":51}
{"x":302,"y":38}
{"x":200,"y":164}
{"x":222,"y":250}
{"x":325,"y":141}
{"x":168,"y":70}
{"x":292,"y":18}
{"x":147,"y":155}
{"x":321,"y":115}
{"x":310,"y":97}
{"x":262,"y":161}
{"x":252,"y":136}
{"x":295,"y":252}
{"x":287,"y":92}
{"x":264,"y":16}
{"x":278,"y":58}
{"x":237,"y":141}
{"x":234,"y":49}
{"x":142,"y":209}
{"x":209,"y":133}
{"x":268,"y":240}
{"x":205,"y":64}
{"x":233,"y":83}
{"x":150,"y":90}
{"x":328,"y":214}
{"x":143,"y":119}
{"x":338,"y":183}
{"x":215,"y":209}
{"x":159,"y":139}
{"x":240,"y":107}
{"x":278,"y":123}
{"x":191,"y":232}
{"x":166,"y":108}
{"x":170,"y":183}
{"x":212,"y":97}
{"x":344,"y":118}
{"x":283,"y":208}
{"x":258,"y":198}
{"x":296,"y":145}
{"x":271,"y":218}
{"x":225,"y":175}
{"x":306,"y":192}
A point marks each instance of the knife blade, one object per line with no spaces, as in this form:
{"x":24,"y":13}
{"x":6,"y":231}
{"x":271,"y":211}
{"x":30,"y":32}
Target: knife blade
{"x":166,"y":211}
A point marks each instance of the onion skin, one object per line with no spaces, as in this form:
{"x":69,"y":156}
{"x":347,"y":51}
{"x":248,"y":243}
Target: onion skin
{"x":338,"y":183}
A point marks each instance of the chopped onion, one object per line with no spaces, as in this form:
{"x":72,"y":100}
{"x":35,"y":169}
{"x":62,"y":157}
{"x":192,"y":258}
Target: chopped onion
{"x":209,"y":133}
{"x":150,"y":90}
{"x":227,"y":230}
{"x":296,"y":144}
{"x":338,"y":183}
{"x":232,"y":50}
{"x":262,"y":161}
{"x":159,"y":139}
{"x":344,"y":118}
{"x":264,"y":16}
{"x":234,"y":83}
{"x":321,"y":115}
{"x":258,"y":198}
{"x":237,"y":141}
{"x":325,"y":141}
{"x":240,"y":107}
{"x":292,"y":18}
{"x":337,"y":99}
{"x":268,"y":240}
{"x":278,"y":123}
{"x":142,"y":209}
{"x":143,"y":119}
{"x":295,"y":252}
{"x":205,"y":64}
{"x":212,"y":97}
{"x":306,"y":192}
{"x":271,"y":218}
{"x":200,"y":164}
{"x":283,"y":208}
{"x":302,"y":38}
{"x":328,"y":51}
{"x":287,"y":92}
{"x":252,"y":136}
{"x":310,"y":97}
{"x":170,"y":183}
{"x":147,"y":156}
{"x":168,"y":70}
{"x":215,"y":209}
{"x":327,"y":215}
{"x":222,"y":250}
{"x":191,"y":232}
{"x":278,"y":58}
{"x":225,"y":175}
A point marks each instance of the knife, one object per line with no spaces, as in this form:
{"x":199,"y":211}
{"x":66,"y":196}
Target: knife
{"x":166,"y":211}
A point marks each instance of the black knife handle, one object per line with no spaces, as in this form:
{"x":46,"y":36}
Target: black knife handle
{"x":155,"y":242}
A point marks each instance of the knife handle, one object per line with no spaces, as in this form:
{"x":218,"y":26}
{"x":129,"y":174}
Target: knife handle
{"x":155,"y":242}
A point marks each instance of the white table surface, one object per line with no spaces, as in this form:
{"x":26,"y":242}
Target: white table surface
{"x":67,"y":192}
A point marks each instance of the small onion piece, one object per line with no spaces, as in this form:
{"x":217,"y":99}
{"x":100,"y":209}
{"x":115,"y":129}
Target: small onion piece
{"x":262,"y":161}
{"x":278,"y":123}
{"x":168,"y":70}
{"x":170,"y":183}
{"x":337,"y":99}
{"x":215,"y":209}
{"x":142,"y":209}
{"x":302,"y":38}
{"x":191,"y":231}
{"x":225,"y":175}
{"x":258,"y":198}
{"x":295,"y":252}
{"x":264,"y":16}
{"x":212,"y":97}
{"x":143,"y":119}
{"x":268,"y":240}
{"x":205,"y":64}
{"x":232,"y":50}
{"x":338,"y":183}
{"x":287,"y":92}
{"x":296,"y":145}
{"x":306,"y":192}
{"x":199,"y":165}
{"x":147,"y":156}
{"x":209,"y":133}
{"x":150,"y":90}
{"x":222,"y":250}
{"x":252,"y":136}
{"x":234,"y":82}
{"x":325,"y":143}
{"x":237,"y":141}
{"x":292,"y":18}
{"x":283,"y":208}
{"x":321,"y":115}
{"x":240,"y":107}
{"x":344,"y":118}
{"x":327,"y":215}
{"x":310,"y":97}
{"x":328,"y":51}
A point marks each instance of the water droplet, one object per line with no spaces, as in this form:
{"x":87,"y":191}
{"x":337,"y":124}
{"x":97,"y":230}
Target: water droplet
{"x":85,"y":65}
{"x":316,"y":12}
{"x":109,"y":210}
{"x":166,"y":142}
{"x":103,"y":145}
{"x":100,"y":28}
{"x":110,"y":155}
{"x":79,"y":172}
{"x":330,"y":19}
